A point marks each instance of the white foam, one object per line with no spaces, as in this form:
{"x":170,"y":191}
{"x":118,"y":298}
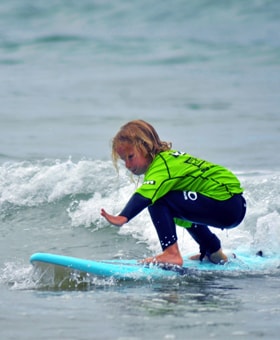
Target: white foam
{"x":261,"y":199}
{"x":17,"y":276}
{"x":34,"y":183}
{"x":91,"y":185}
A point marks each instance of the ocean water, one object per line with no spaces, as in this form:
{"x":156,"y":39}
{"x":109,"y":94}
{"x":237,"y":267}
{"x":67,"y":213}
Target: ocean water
{"x":206,"y":74}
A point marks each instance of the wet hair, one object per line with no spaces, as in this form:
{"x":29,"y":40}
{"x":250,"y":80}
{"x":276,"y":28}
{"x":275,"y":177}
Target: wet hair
{"x":143,"y":136}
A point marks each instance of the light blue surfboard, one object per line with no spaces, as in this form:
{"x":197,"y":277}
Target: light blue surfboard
{"x":132,"y":269}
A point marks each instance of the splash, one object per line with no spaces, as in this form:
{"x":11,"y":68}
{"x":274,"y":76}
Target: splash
{"x":17,"y":276}
{"x":258,"y":231}
{"x":34,"y":183}
{"x":21,"y":277}
{"x":87,"y":186}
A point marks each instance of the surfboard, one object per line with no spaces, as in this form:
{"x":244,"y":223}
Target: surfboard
{"x":132,"y":269}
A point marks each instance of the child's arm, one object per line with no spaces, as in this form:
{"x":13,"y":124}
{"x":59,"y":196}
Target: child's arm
{"x":116,"y":220}
{"x":133,"y":207}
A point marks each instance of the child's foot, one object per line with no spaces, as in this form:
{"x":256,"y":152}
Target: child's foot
{"x":217,"y":257}
{"x":195,"y":257}
{"x":171,"y":255}
{"x":162,"y":258}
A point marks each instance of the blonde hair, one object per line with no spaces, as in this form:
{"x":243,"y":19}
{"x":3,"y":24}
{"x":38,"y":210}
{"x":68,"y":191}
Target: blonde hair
{"x":143,"y":136}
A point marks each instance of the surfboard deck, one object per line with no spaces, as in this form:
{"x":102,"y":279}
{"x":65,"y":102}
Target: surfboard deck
{"x":132,"y":269}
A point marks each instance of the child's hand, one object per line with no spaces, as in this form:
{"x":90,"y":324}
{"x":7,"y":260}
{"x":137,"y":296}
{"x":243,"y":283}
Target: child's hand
{"x":116,"y":220}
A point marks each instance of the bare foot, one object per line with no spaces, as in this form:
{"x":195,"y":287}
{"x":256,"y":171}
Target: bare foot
{"x":195,"y":257}
{"x":162,"y":258}
{"x":170,"y":255}
{"x":217,"y":257}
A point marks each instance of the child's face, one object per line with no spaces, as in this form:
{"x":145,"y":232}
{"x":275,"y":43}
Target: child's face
{"x":134,"y":160}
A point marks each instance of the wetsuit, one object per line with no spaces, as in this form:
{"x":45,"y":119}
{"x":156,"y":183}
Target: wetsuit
{"x":190,"y":192}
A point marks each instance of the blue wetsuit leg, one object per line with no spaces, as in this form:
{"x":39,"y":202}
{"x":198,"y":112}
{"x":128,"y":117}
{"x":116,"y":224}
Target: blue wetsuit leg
{"x":162,"y":219}
{"x":200,"y":210}
{"x":208,"y":242}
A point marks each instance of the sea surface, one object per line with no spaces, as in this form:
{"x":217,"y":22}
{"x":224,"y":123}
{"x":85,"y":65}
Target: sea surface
{"x":206,"y":74}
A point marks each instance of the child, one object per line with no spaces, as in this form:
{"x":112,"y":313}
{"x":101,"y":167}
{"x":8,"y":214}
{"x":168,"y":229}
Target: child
{"x":177,"y":189}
